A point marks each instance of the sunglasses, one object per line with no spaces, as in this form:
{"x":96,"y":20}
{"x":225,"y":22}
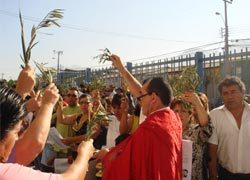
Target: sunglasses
{"x":72,"y":95}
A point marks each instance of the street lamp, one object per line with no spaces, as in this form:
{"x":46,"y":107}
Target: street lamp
{"x":226,"y":60}
{"x":58,"y":64}
{"x":222,"y":29}
{"x":219,"y":14}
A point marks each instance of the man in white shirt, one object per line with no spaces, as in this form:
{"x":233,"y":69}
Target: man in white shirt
{"x":229,"y":144}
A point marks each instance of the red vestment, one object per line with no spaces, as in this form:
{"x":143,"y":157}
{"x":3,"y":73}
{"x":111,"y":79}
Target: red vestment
{"x":152,"y":152}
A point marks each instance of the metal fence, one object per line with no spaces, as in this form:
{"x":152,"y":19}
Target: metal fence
{"x":210,"y":67}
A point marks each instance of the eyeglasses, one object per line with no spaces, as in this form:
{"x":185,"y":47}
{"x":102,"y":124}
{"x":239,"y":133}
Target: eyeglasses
{"x":140,"y":97}
{"x":84,"y":102}
{"x":72,"y":95}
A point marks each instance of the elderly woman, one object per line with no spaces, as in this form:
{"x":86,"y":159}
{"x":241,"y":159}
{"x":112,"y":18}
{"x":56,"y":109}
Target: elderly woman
{"x":196,"y":127}
{"x":12,"y":112}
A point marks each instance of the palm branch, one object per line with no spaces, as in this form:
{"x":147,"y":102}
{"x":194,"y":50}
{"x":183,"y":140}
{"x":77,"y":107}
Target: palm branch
{"x":46,"y":73}
{"x":50,"y":19}
{"x":98,"y":117}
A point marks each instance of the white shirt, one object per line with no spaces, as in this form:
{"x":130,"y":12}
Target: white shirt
{"x":233,"y":143}
{"x":113,"y":131}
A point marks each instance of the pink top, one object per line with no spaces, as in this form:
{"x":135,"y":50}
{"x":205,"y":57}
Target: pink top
{"x":9,"y":171}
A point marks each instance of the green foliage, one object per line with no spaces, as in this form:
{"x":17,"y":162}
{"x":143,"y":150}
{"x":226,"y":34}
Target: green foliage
{"x":11,"y":83}
{"x":99,"y":117}
{"x":104,"y":56}
{"x":46,"y":73}
{"x":49,"y":20}
{"x":96,"y":83}
{"x":188,"y":80}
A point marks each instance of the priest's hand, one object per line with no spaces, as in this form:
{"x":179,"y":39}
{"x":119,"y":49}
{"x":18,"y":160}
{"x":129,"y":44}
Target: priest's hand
{"x":116,"y":61}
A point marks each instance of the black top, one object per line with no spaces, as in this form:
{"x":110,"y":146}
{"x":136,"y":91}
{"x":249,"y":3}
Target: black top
{"x":100,"y":139}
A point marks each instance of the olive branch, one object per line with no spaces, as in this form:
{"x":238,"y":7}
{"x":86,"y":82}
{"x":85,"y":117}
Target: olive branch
{"x":104,"y":56}
{"x":188,"y":80}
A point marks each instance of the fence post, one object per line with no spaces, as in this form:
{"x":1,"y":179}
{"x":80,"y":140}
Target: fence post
{"x":129,"y":67}
{"x":88,"y":75}
{"x":59,"y":78}
{"x":200,"y":70}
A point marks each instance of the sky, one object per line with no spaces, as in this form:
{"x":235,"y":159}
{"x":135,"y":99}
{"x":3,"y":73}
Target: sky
{"x":132,"y":29}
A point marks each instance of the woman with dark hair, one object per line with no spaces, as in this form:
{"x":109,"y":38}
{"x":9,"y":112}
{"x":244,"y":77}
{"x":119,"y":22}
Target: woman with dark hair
{"x":80,"y":123}
{"x":12,"y":111}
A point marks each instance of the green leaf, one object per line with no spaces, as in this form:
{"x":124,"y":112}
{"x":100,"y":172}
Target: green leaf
{"x":104,"y":56}
{"x":98,"y":117}
{"x":55,"y":23}
{"x":47,"y":21}
{"x":50,"y":77}
{"x":56,"y":15}
{"x":26,"y":61}
{"x":188,"y":80}
{"x":28,"y":53}
{"x":46,"y":72}
{"x":33,"y":32}
{"x":33,"y":45}
{"x":22,"y":58}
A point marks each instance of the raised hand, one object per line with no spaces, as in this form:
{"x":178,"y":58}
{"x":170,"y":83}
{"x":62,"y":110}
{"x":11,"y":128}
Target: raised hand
{"x":192,"y":98}
{"x":26,"y":81}
{"x":116,"y":61}
{"x":125,"y":104}
{"x":51,"y":95}
{"x":34,"y":103}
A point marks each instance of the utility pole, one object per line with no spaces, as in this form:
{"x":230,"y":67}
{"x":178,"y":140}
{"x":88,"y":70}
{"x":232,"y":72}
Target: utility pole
{"x":2,"y":75}
{"x":228,"y":69}
{"x":58,"y":64}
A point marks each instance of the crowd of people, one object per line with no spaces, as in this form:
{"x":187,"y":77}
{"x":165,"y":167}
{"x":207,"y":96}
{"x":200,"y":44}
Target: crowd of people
{"x":136,"y":134}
